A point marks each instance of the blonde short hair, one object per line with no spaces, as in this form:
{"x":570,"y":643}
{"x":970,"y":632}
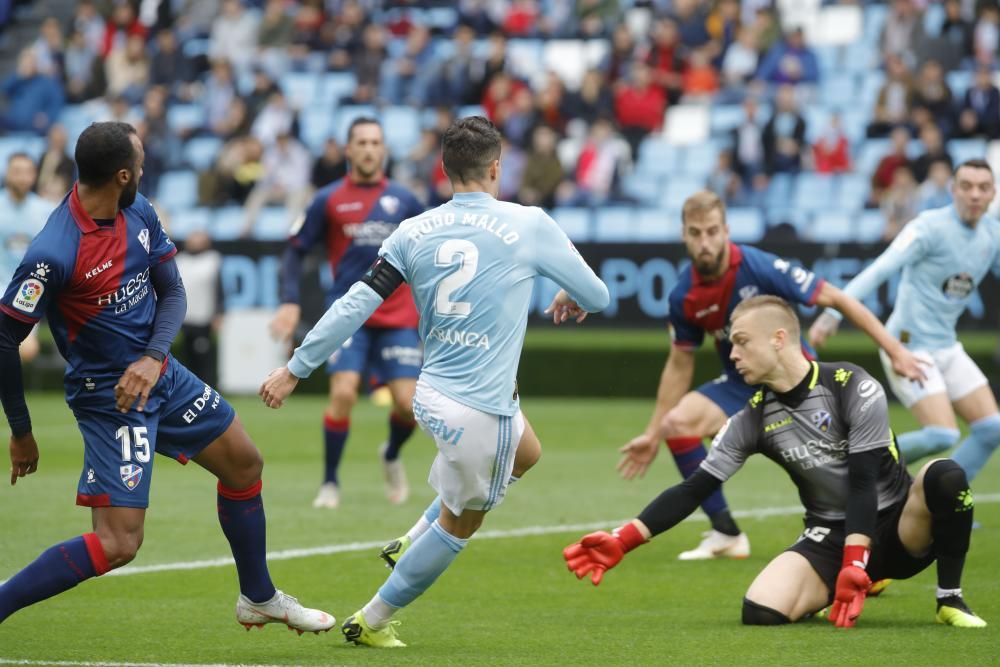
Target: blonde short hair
{"x":780,"y":313}
{"x":701,"y":204}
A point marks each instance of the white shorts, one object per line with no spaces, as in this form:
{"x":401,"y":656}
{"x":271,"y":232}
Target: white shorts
{"x":949,"y":371}
{"x":475,"y":450}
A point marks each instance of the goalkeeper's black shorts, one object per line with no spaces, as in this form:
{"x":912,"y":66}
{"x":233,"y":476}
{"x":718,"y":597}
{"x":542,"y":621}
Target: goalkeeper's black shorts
{"x":822,"y":544}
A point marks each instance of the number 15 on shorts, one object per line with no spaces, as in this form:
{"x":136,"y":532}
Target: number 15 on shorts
{"x":134,"y":444}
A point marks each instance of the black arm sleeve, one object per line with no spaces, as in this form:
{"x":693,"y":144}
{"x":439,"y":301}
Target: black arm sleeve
{"x":12,"y":332}
{"x":383,"y":278}
{"x":291,"y":273}
{"x":171,"y":305}
{"x":676,"y":503}
{"x":862,"y":501}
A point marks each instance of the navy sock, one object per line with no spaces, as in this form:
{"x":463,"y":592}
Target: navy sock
{"x":58,"y":569}
{"x":400,"y":430}
{"x":334,"y":437}
{"x":241,"y":515}
{"x":688,"y":454}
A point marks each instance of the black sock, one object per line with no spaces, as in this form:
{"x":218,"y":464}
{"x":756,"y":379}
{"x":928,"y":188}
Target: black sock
{"x":949,"y":500}
{"x":724,"y":523}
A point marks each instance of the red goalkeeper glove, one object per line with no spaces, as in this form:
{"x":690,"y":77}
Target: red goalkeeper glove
{"x":852,"y":586}
{"x":598,"y":552}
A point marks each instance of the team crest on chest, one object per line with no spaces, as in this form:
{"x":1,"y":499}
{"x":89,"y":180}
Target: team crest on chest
{"x":389,"y":204}
{"x":144,"y":239}
{"x":131,"y":475}
{"x":821,"y":419}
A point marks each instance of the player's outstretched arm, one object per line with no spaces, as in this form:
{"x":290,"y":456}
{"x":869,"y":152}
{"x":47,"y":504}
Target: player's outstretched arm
{"x":23,"y":448}
{"x":675,"y":380}
{"x":904,"y":362}
{"x":559,"y":260}
{"x":598,"y":552}
{"x":287,"y":317}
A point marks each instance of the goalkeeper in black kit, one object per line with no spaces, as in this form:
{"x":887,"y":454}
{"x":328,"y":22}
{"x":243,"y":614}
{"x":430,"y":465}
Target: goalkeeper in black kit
{"x":866,"y":519}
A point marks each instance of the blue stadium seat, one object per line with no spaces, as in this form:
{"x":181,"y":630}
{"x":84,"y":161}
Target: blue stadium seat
{"x":746,"y":224}
{"x":20,"y":143}
{"x":315,"y":128}
{"x":869,"y":226}
{"x":838,"y":90}
{"x":967,"y":149}
{"x":875,"y":16}
{"x":658,"y":225}
{"x":334,"y":86}
{"x":178,"y":190}
{"x":615,"y":224}
{"x":680,"y":188}
{"x":402,"y":129}
{"x":227,"y":223}
{"x":470,"y":110}
{"x":75,"y":118}
{"x":200,"y":152}
{"x":934,"y":17}
{"x":831,"y":227}
{"x":301,"y":88}
{"x":644,"y":187}
{"x":272,"y":224}
{"x":959,"y":81}
{"x":784,"y":213}
{"x":725,"y":118}
{"x":852,"y":192}
{"x":441,"y":18}
{"x":699,"y":160}
{"x":779,"y":192}
{"x":872,"y":81}
{"x":184,"y":221}
{"x":814,"y":192}
{"x":185,"y":116}
{"x":574,"y":221}
{"x":870,"y":154}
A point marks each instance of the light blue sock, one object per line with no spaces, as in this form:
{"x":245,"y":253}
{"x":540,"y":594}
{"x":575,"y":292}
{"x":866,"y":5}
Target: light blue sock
{"x":984,"y":436}
{"x":929,"y":440}
{"x":433,"y":510}
{"x":420,"y":566}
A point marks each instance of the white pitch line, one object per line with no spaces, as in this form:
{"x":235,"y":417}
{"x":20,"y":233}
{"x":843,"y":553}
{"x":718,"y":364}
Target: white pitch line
{"x":74,"y":663}
{"x":528,"y":531}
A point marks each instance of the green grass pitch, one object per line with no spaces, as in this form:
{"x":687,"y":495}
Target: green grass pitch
{"x":505,"y":601}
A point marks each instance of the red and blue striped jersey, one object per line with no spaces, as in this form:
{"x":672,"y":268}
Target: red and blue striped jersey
{"x":353,"y":219}
{"x":698,"y":306}
{"x":92,"y":283}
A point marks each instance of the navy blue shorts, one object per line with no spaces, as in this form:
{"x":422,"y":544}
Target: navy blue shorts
{"x":388,"y":354}
{"x":730,"y":394}
{"x":182,"y":416}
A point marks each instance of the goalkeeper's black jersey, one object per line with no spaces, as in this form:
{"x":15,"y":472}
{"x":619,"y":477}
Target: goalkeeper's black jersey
{"x":838,"y":409}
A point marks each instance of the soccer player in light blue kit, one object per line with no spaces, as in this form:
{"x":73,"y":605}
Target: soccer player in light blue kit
{"x":943,"y":254}
{"x":471,"y":265}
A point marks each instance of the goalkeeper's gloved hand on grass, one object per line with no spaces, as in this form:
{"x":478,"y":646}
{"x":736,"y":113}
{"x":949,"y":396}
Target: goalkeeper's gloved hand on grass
{"x":852,"y":586}
{"x":598,"y":552}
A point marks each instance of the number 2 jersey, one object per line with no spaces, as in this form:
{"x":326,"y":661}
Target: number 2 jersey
{"x":92,"y":283}
{"x":471,"y":264}
{"x":698,"y":306}
{"x":838,"y":409}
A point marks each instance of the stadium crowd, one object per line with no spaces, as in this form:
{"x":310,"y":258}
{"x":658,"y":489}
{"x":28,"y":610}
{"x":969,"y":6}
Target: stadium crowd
{"x":224,"y":91}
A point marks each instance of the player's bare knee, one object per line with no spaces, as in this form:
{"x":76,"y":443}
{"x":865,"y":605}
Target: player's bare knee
{"x":120,"y":546}
{"x":342,"y":400}
{"x":677,"y":424}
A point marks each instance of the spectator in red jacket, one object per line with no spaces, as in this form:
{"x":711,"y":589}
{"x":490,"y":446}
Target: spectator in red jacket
{"x":831,"y":152}
{"x":639,"y":105}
